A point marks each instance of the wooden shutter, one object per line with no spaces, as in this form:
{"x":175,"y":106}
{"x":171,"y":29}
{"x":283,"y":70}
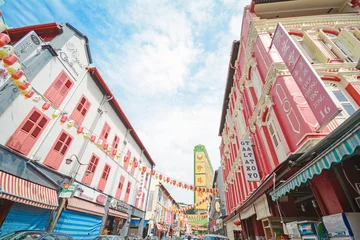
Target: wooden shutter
{"x":104,"y":177}
{"x":94,"y":160}
{"x":115,"y":143}
{"x":29,"y":131}
{"x":58,"y":150}
{"x":120,"y":187}
{"x":80,"y":111}
{"x":127,"y":193}
{"x":146,"y":180}
{"x":58,"y":90}
{"x":105,"y":132}
{"x":126,"y":164}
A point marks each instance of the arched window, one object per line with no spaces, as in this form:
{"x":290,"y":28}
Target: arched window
{"x":341,"y":98}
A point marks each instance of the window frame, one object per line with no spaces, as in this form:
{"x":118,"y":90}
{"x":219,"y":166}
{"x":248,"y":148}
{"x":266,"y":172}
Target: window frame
{"x":76,"y":114}
{"x":57,"y":98}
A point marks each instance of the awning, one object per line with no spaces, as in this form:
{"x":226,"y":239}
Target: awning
{"x":79,"y":205}
{"x":262,"y":207}
{"x":19,"y":190}
{"x":335,"y":154}
{"x":247,"y":212}
{"x":116,"y":213}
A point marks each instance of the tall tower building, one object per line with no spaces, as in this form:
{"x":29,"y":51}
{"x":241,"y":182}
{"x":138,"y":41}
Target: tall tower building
{"x":203,"y":175}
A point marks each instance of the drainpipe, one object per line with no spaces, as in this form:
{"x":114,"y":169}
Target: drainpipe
{"x":114,"y":183}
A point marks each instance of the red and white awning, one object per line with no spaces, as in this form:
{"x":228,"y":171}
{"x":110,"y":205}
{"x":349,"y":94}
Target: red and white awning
{"x":22,"y":191}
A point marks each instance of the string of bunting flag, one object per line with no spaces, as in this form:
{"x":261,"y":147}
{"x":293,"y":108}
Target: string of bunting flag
{"x":184,"y":209}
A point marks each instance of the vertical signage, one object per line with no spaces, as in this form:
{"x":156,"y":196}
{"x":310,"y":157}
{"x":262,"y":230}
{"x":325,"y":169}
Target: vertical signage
{"x":310,"y":84}
{"x":200,"y":178}
{"x":248,"y":160}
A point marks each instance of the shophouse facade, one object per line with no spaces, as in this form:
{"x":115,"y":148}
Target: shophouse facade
{"x":72,"y":127}
{"x":159,"y":215}
{"x":280,"y":163}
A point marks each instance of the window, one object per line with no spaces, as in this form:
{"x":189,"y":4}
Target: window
{"x":94,"y":160}
{"x":146,"y":181}
{"x":105,"y":132}
{"x":273,"y":133}
{"x":104,"y":177}
{"x":120,"y":187}
{"x":58,"y":90}
{"x":127,"y":193}
{"x":57,"y":152}
{"x":133,"y":167}
{"x":115,"y":143}
{"x":29,"y":131}
{"x":137,"y":201}
{"x":81,"y":110}
{"x":346,"y":105}
{"x":126,"y":164}
{"x":142,"y":200}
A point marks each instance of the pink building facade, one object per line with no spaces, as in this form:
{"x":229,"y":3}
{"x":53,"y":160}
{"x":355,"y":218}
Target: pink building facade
{"x":266,"y":106}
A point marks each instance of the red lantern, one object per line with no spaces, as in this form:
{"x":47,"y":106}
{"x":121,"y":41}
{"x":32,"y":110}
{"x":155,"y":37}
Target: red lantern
{"x":185,"y":186}
{"x":211,"y":190}
{"x":153,"y":172}
{"x":10,"y":60}
{"x":160,"y":176}
{"x":180,"y":184}
{"x":4,"y":39}
{"x":191,"y":187}
{"x":46,"y":106}
{"x":126,"y":158}
{"x":168,"y":179}
{"x":105,"y":146}
{"x":29,"y":94}
{"x":113,"y":151}
{"x":136,"y":163}
{"x":92,"y":138}
{"x":207,"y":190}
{"x":174,"y":182}
{"x":63,"y":119}
{"x":144,"y":169}
{"x":80,"y":129}
{"x":24,"y":86}
{"x":17,"y":75}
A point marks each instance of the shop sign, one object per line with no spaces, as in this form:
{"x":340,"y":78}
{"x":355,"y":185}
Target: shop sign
{"x":70,"y":57}
{"x":309,"y":82}
{"x":119,"y":205}
{"x":26,"y":46}
{"x":249,"y":163}
{"x":90,"y":195}
{"x":67,"y":191}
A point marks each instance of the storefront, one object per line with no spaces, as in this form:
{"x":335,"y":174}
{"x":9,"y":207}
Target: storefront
{"x":82,"y":216}
{"x":24,"y":205}
{"x":234,"y":228}
{"x":117,"y":216}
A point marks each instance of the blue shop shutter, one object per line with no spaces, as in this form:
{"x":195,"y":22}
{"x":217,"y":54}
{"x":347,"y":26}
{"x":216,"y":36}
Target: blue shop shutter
{"x":79,"y":225}
{"x":24,"y":217}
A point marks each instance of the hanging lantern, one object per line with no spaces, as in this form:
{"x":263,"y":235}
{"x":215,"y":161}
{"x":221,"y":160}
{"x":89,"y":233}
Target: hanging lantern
{"x":17,"y":75}
{"x":105,"y":146}
{"x":191,"y":187}
{"x":168,"y":179}
{"x":136,"y":163}
{"x":85,"y":135}
{"x":126,"y":158}
{"x":93,"y":138}
{"x":109,"y":149}
{"x":20,"y":81}
{"x":118,"y":155}
{"x":10,"y":60}
{"x":180,"y":184}
{"x":5,"y":51}
{"x":99,"y":143}
{"x":161,"y":176}
{"x":4,"y":39}
{"x":24,"y":85}
{"x":148,"y":173}
{"x":113,"y":151}
{"x":207,"y":190}
{"x":70,"y":123}
{"x":36,"y":98}
{"x":56,"y":113}
{"x":140,"y":169}
{"x":27,"y":90}
{"x":29,"y":94}
{"x":63,"y":119}
{"x":14,"y":68}
{"x":156,"y":176}
{"x":174,"y":182}
{"x":144,"y":169}
{"x":45,"y":106}
{"x":80,"y":129}
{"x":130,"y":163}
{"x":153,"y":172}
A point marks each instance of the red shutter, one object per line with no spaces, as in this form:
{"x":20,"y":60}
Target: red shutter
{"x":126,"y":164}
{"x":142,"y":200}
{"x":91,"y":168}
{"x":104,"y":177}
{"x":29,"y":131}
{"x":146,"y":180}
{"x":120,"y":187}
{"x":80,"y":110}
{"x":58,"y":90}
{"x":105,"y":132}
{"x":58,"y":150}
{"x":133,"y":167}
{"x":115,"y":143}
{"x":128,"y":188}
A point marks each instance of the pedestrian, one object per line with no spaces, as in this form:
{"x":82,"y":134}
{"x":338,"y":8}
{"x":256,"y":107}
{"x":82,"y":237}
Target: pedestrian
{"x":105,"y":231}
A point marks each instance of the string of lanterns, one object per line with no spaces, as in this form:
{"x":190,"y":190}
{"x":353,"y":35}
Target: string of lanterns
{"x":184,"y":209}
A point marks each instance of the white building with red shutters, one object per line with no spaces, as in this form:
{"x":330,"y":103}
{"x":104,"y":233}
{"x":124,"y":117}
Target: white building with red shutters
{"x":72,"y":126}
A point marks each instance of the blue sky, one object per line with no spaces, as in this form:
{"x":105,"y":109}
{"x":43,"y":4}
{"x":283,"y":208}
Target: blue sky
{"x":166,"y":62}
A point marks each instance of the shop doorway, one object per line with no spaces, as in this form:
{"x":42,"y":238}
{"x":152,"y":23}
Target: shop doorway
{"x":114,"y":224}
{"x":5,"y":206}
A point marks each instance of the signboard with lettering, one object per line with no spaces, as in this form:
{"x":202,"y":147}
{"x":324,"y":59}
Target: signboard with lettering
{"x":90,"y":194}
{"x":27,"y":46}
{"x":309,"y":82}
{"x":119,"y":205}
{"x":68,"y":191}
{"x":72,"y":55}
{"x":248,"y":160}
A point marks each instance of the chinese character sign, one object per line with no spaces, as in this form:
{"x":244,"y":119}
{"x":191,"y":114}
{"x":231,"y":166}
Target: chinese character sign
{"x":249,"y":163}
{"x":310,"y":84}
{"x":200,"y":168}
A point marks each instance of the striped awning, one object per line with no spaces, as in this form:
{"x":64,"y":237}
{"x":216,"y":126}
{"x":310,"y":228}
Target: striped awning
{"x":19,"y":190}
{"x":335,"y":154}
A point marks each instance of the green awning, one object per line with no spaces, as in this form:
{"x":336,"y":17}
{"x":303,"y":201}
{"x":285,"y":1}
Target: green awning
{"x":343,"y":148}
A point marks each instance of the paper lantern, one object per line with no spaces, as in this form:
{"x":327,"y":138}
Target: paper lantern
{"x":70,"y":123}
{"x":27,"y":90}
{"x":85,"y":135}
{"x":5,"y":51}
{"x":153,"y":172}
{"x":180,"y":184}
{"x":148,"y":173}
{"x":29,"y":94}
{"x":80,"y":129}
{"x":20,"y":81}
{"x":130,"y":163}
{"x":144,"y":169}
{"x":45,"y":106}
{"x":118,"y":155}
{"x":99,"y":143}
{"x":105,"y":146}
{"x":126,"y":158}
{"x":92,"y":138}
{"x":156,"y":176}
{"x":63,"y":119}
{"x":109,"y":149}
{"x":207,"y":190}
{"x":17,"y":75}
{"x":113,"y":151}
{"x":191,"y":187}
{"x":4,"y":39}
{"x":167,"y":179}
{"x":56,"y":113}
{"x":36,"y":98}
{"x":24,"y":85}
{"x":10,"y":60}
{"x":136,"y":163}
{"x":14,"y":68}
{"x":174,"y":181}
{"x":161,"y":176}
